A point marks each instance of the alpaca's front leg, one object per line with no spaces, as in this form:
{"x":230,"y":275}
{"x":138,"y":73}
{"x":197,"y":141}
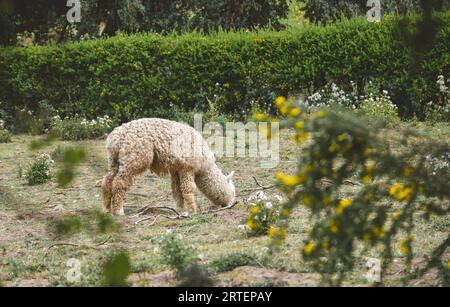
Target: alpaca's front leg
{"x":187,"y":186}
{"x":176,"y":191}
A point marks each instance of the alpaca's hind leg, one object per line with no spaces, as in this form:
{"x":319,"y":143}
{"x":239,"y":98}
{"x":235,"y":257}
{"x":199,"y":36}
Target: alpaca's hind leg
{"x":106,"y":189}
{"x":187,"y":187}
{"x":176,"y":191}
{"x":107,"y":182}
{"x":131,"y":165}
{"x":119,"y":187}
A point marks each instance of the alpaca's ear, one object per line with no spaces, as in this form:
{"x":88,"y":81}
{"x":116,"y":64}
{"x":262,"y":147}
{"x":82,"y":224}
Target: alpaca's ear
{"x":230,"y":175}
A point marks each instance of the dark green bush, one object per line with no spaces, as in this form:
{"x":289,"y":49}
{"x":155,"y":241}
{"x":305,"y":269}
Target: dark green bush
{"x":145,"y":75}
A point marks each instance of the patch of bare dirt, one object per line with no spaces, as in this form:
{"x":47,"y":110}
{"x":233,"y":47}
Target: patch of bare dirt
{"x":161,"y":279}
{"x":248,"y":275}
{"x":32,"y":283}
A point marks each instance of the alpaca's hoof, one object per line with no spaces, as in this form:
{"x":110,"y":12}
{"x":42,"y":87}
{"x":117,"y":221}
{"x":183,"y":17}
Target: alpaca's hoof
{"x":118,"y":212}
{"x":121,"y":212}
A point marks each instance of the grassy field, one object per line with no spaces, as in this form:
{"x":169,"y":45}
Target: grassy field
{"x":29,"y":256}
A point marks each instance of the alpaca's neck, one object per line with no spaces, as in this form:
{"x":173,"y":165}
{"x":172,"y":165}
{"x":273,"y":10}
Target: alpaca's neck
{"x":214,"y":185}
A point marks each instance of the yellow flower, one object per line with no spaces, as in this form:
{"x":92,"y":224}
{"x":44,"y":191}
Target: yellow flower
{"x":308,"y":200}
{"x":321,"y":114}
{"x":254,"y":210}
{"x":294,"y":112}
{"x":379,"y":232}
{"x":272,"y":231}
{"x":299,"y":125}
{"x":448,"y":264}
{"x":395,"y":188}
{"x":251,"y":224}
{"x":405,"y":246}
{"x":309,"y":248}
{"x":259,"y":116}
{"x":285,"y":212}
{"x":400,"y":192}
{"x":341,"y":137}
{"x":366,"y":237}
{"x":300,"y":136}
{"x":343,"y":203}
{"x":367,"y":179}
{"x":333,"y":226}
{"x":290,"y":181}
{"x":280,"y":100}
{"x":369,"y":196}
{"x":407,"y":171}
{"x":284,"y":110}
{"x":333,"y":148}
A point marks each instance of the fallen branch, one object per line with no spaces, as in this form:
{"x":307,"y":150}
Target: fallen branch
{"x":258,"y":188}
{"x":94,"y":246}
{"x":62,"y":244}
{"x":103,"y":242}
{"x":179,"y":216}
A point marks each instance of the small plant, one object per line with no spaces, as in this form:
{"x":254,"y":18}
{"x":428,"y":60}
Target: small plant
{"x":232,"y":261}
{"x":116,"y":270}
{"x":5,"y":135}
{"x":76,"y":128}
{"x":183,"y":260}
{"x":380,"y":108}
{"x":40,"y":171}
{"x":263,"y":215}
{"x":439,"y":111}
{"x":376,"y":105}
{"x":331,"y":96}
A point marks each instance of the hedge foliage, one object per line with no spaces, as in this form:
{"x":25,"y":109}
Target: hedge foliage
{"x":148,"y":74}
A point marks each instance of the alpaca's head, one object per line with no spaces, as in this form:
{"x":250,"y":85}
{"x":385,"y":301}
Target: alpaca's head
{"x":216,"y":186}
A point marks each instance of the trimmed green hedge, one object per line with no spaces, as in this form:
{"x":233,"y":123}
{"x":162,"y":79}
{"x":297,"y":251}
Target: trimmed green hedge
{"x":146,"y":75}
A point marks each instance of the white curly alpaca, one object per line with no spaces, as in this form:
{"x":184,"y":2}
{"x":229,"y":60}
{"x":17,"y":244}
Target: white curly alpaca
{"x":164,"y":147}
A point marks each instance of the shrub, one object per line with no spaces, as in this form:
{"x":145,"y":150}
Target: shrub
{"x":325,"y":11}
{"x":40,"y":171}
{"x":183,"y":260}
{"x":75,"y":128}
{"x":439,"y":110}
{"x":116,"y":270}
{"x":232,"y":261}
{"x":332,"y":96}
{"x":263,"y":215}
{"x":396,"y":192}
{"x":127,"y":77}
{"x":5,"y":135}
{"x":375,"y":105}
{"x":380,"y":109}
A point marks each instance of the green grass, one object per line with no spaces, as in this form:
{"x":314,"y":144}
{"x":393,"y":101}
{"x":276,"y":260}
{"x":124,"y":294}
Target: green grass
{"x":28,"y":257}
